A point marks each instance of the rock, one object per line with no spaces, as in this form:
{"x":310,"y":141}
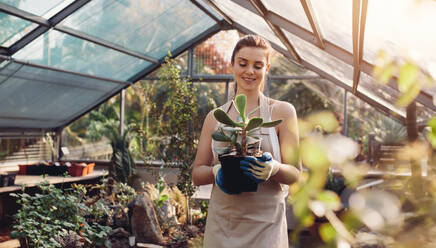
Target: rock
{"x":119,"y":232}
{"x":193,"y":230}
{"x":119,"y":238}
{"x":145,"y":225}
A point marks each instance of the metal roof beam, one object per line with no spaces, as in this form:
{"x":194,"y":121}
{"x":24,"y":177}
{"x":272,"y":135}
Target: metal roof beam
{"x":310,"y":14}
{"x":339,"y":53}
{"x":262,"y":11}
{"x":24,"y":15}
{"x":53,"y":21}
{"x":202,"y":8}
{"x":212,"y":4}
{"x":62,"y":70}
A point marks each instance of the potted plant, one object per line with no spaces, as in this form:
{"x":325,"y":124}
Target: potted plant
{"x":242,"y":141}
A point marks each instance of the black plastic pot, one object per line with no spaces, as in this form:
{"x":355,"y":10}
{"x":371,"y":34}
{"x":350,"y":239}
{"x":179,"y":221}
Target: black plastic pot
{"x":7,"y":179}
{"x":234,"y":180}
{"x":55,"y":170}
{"x":36,"y":169}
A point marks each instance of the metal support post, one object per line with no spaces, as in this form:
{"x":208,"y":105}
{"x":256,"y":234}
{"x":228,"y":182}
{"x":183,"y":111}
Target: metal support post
{"x":345,"y":124}
{"x":122,"y":105}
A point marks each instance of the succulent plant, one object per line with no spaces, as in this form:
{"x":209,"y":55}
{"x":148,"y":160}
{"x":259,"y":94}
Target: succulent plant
{"x":239,"y":134}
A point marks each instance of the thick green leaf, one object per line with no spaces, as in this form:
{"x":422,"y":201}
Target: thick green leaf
{"x":241,"y":102}
{"x":222,"y":117}
{"x":221,"y":150}
{"x":231,"y":129}
{"x":409,"y":95}
{"x":253,"y":131}
{"x":252,"y":140}
{"x":408,"y":74}
{"x":327,"y":232}
{"x":271,"y":123}
{"x":254,"y":123}
{"x":330,"y":199}
{"x":219,"y":136}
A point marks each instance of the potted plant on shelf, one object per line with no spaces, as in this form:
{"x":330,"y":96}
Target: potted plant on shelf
{"x":242,"y":141}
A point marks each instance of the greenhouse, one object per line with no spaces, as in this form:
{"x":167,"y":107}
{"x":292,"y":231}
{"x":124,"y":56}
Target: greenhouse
{"x":104,"y":103}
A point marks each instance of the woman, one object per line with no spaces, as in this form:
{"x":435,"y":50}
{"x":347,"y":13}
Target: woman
{"x":250,"y":219}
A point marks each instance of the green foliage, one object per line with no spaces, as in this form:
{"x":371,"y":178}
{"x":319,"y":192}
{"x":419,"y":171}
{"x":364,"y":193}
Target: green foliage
{"x":160,"y":187}
{"x":176,"y":143}
{"x":243,"y":128}
{"x":45,"y":216}
{"x":303,"y":98}
{"x":390,"y":132}
{"x":123,"y":166}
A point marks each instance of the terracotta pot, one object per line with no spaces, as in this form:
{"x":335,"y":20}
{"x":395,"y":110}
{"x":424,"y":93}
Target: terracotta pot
{"x":233,"y":177}
{"x":81,"y":169}
{"x":78,"y":170}
{"x":22,"y":169}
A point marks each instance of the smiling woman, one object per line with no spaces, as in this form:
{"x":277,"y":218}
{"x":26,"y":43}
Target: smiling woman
{"x":251,"y":62}
{"x":250,"y":219}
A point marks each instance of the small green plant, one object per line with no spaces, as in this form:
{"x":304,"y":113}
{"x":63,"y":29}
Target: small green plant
{"x":161,"y":197}
{"x":123,"y":167}
{"x":239,"y":134}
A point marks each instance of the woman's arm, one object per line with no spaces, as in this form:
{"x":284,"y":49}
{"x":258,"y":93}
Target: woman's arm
{"x":202,"y":172}
{"x":290,"y":168}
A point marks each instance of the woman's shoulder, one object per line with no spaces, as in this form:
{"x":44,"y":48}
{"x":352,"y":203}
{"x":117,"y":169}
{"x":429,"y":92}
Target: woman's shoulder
{"x":283,"y":108}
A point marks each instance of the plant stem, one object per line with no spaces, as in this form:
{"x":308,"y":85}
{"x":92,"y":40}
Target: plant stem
{"x":244,"y":142}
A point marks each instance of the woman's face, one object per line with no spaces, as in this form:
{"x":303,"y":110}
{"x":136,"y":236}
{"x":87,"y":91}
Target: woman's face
{"x":250,"y":67}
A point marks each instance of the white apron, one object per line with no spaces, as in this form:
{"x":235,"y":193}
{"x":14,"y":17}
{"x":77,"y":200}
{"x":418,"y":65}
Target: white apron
{"x":249,"y":219}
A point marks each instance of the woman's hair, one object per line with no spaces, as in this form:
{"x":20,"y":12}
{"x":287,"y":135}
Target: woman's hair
{"x":252,"y":41}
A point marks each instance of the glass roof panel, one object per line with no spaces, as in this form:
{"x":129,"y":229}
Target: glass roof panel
{"x":248,"y":19}
{"x":334,"y":67}
{"x":13,"y":28}
{"x":384,"y":92}
{"x":48,"y":96}
{"x":335,"y":18}
{"x":46,"y":8}
{"x":66,"y":52}
{"x":282,"y":66}
{"x":202,"y":3}
{"x":407,"y":29}
{"x":322,"y":60}
{"x":290,"y":10}
{"x":147,"y":27}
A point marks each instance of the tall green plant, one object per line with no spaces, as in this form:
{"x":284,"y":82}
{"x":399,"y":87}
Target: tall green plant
{"x":123,"y":166}
{"x":178,"y":142}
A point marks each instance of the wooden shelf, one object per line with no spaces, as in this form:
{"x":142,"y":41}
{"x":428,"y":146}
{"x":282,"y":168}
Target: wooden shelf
{"x":32,"y":181}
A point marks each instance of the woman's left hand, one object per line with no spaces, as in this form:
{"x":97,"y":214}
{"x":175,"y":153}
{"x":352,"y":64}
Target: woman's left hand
{"x":260,"y":169}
